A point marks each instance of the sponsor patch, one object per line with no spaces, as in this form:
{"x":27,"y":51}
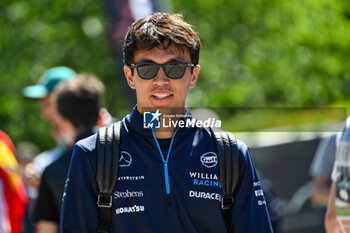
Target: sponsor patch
{"x":259,"y":193}
{"x":127,"y":194}
{"x":204,"y":195}
{"x":260,"y":202}
{"x":125,"y":159}
{"x":131,"y":209}
{"x":205,"y":179}
{"x":256,"y":183}
{"x":209,"y":159}
{"x":131,"y":178}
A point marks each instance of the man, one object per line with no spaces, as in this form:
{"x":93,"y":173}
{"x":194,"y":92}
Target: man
{"x":121,"y":14}
{"x":25,"y":153}
{"x":78,"y":103}
{"x":168,"y":177}
{"x":321,"y":169}
{"x":338,"y":212}
{"x":41,"y":92}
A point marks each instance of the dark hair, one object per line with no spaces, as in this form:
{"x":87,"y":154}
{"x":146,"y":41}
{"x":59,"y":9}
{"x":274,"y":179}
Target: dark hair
{"x":161,"y":30}
{"x":79,"y":100}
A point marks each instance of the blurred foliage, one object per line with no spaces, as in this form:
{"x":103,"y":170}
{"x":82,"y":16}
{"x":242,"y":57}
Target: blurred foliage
{"x":255,"y":54}
{"x":271,"y":53}
{"x":39,"y":34}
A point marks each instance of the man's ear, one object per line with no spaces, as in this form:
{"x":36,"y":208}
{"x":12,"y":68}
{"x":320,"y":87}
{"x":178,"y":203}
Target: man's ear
{"x":194,"y":76}
{"x":129,"y":76}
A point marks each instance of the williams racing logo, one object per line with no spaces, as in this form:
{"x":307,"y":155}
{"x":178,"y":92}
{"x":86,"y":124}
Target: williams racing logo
{"x":209,"y":159}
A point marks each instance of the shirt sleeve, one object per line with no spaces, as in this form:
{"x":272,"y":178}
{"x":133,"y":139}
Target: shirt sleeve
{"x":341,"y":158}
{"x":79,"y":212}
{"x":45,"y":208}
{"x":323,"y":161}
{"x":334,"y":173}
{"x":249,"y":212}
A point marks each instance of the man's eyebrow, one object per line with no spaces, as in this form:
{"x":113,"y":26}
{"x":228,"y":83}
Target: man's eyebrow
{"x":175,"y":59}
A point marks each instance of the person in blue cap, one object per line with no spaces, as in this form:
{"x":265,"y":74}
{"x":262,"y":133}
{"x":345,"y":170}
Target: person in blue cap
{"x":46,"y":84}
{"x":41,"y":92}
{"x":78,"y":103}
{"x":168,"y":175}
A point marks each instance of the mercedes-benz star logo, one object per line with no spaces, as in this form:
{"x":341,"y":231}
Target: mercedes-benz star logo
{"x":125,"y":159}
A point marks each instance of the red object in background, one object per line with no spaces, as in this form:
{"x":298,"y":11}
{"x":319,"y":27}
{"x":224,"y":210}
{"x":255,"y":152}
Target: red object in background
{"x":14,"y":191}
{"x":16,"y":198}
{"x":5,"y":138}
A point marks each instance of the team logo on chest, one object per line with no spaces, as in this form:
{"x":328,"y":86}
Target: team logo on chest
{"x":125,"y":159}
{"x":209,"y":159}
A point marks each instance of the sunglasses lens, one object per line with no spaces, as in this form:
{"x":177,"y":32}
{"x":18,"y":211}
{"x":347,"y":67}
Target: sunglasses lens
{"x":174,"y":71}
{"x":150,"y":70}
{"x":147,"y":71}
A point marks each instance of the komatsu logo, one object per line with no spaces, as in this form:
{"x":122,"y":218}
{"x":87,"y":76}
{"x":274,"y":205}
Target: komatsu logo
{"x":209,"y":159}
{"x":131,"y":209}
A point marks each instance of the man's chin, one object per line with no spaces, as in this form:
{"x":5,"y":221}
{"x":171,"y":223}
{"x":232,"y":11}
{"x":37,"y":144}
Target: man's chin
{"x":163,"y":109}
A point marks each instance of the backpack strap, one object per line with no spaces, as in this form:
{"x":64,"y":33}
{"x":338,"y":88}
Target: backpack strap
{"x":228,"y":158}
{"x":108,"y":149}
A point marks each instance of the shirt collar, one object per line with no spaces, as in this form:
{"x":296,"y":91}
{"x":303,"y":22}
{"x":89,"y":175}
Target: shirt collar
{"x":134,"y":122}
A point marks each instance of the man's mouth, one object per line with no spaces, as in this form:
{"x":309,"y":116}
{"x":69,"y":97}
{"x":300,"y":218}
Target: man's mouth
{"x":161,"y":96}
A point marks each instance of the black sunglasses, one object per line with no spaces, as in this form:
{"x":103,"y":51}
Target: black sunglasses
{"x":173,"y":70}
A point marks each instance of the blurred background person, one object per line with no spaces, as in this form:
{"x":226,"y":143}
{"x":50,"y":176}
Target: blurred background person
{"x":121,"y":14}
{"x":321,"y":170}
{"x":41,"y":92}
{"x":78,"y":103}
{"x":25,"y":153}
{"x":13,"y":199}
{"x":338,"y":210}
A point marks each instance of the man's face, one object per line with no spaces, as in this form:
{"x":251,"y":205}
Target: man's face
{"x":49,"y":112}
{"x":161,"y":91}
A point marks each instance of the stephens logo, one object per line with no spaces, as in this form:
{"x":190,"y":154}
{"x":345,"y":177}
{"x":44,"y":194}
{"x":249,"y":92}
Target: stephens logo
{"x":151,"y":120}
{"x":127,"y":194}
{"x":125,"y":159}
{"x":209,"y":159}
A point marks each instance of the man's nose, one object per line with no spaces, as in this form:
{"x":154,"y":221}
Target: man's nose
{"x":161,"y":77}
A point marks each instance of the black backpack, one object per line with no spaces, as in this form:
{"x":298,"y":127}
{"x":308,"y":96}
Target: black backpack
{"x":108,"y":149}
